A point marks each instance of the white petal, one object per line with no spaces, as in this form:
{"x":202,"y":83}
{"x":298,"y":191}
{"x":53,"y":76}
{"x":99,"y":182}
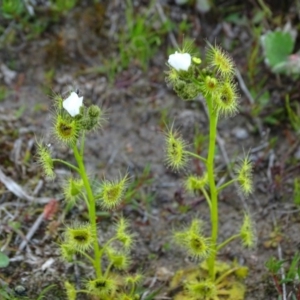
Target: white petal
{"x":72,"y":104}
{"x":180,"y":61}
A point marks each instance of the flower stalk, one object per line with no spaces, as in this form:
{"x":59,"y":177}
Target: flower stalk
{"x":213,"y":79}
{"x":72,"y":120}
{"x":91,"y":208}
{"x":213,"y":121}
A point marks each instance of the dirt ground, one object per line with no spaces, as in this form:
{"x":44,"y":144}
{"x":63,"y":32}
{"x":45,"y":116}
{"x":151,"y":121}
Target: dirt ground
{"x":138,"y":103}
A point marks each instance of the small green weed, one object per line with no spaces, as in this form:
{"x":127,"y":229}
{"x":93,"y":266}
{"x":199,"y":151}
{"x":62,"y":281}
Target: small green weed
{"x":293,"y":114}
{"x":296,"y":195}
{"x":135,"y":191}
{"x":12,"y":9}
{"x":140,"y":40}
{"x":3,"y":93}
{"x":290,"y":278}
{"x":4,"y":260}
{"x":62,"y":6}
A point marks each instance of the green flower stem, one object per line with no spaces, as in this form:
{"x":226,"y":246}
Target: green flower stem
{"x":82,"y":143}
{"x":196,"y":156}
{"x":92,"y":208}
{"x":227,"y":184}
{"x":213,"y":120}
{"x":66,"y":163}
{"x":233,"y":237}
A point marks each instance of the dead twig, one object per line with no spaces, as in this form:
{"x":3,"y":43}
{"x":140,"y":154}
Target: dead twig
{"x":31,"y":232}
{"x":18,"y":191}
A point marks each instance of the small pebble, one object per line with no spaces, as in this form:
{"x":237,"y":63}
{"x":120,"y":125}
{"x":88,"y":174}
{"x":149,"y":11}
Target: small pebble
{"x":240,"y":133}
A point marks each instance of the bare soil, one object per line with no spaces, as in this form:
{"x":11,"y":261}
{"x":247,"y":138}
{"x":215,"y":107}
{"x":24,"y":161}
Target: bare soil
{"x":137,"y":105}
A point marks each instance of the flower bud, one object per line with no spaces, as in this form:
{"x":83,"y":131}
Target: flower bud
{"x":94,"y":111}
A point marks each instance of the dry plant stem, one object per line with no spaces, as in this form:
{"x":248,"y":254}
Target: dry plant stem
{"x":213,"y":120}
{"x":277,"y":284}
{"x":92,"y":208}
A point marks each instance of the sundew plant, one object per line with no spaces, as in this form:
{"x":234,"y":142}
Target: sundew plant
{"x":72,"y":120}
{"x":213,"y":78}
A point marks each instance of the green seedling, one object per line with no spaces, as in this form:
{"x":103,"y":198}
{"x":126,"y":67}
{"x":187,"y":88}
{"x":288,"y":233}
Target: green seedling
{"x":293,"y":114}
{"x":296,"y":195}
{"x":3,"y":93}
{"x":12,"y":9}
{"x":4,"y":260}
{"x":19,"y":113}
{"x":213,"y":79}
{"x":135,"y":191}
{"x":72,"y":121}
{"x":140,"y":40}
{"x":62,"y":6}
{"x":28,"y":21}
{"x":291,"y":275}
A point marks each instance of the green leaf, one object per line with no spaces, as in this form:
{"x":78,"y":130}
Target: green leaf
{"x":4,"y":260}
{"x":294,"y":267}
{"x":277,"y":46}
{"x":4,"y":294}
{"x":45,"y":290}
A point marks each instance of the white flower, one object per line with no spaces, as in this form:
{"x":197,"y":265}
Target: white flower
{"x":180,"y":61}
{"x":72,"y":104}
